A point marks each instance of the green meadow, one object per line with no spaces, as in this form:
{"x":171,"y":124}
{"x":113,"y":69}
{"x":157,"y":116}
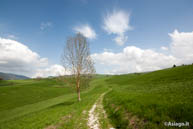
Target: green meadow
{"x":139,"y":100}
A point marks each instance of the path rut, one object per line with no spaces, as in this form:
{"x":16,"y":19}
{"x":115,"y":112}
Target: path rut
{"x":96,"y":112}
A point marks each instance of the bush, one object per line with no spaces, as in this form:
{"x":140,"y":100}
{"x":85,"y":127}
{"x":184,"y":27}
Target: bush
{"x":38,"y":78}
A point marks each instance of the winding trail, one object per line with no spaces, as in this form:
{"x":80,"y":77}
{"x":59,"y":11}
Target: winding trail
{"x":96,"y":112}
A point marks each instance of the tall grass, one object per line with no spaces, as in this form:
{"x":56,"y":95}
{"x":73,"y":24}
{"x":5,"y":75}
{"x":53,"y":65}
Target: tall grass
{"x":56,"y":105}
{"x":148,"y":100}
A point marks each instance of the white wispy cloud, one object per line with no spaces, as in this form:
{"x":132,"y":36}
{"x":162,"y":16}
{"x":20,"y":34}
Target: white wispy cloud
{"x":11,"y":36}
{"x":182,"y":45}
{"x":15,"y":57}
{"x":107,"y":50}
{"x":117,"y":22}
{"x":45,"y":25}
{"x":53,"y":70}
{"x":18,"y":58}
{"x":86,"y":30}
{"x":164,"y":48}
{"x":134,"y":59}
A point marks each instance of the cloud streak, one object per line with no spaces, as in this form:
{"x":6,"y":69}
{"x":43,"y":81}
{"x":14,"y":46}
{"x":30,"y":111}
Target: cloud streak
{"x":53,"y":70}
{"x":86,"y":30}
{"x":117,"y":22}
{"x":45,"y":25}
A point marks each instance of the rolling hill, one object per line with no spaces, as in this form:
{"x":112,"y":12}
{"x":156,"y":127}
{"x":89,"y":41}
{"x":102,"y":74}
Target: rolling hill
{"x":148,"y":100}
{"x":10,"y":76}
{"x":140,"y":100}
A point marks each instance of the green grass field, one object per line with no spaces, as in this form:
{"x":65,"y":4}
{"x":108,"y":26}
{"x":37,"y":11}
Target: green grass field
{"x":148,"y":100}
{"x":141,"y":100}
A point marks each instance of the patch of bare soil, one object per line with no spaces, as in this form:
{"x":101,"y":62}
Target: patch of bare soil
{"x":98,"y":114}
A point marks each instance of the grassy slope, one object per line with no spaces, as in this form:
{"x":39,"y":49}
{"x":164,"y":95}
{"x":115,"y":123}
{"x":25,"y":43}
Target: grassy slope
{"x":55,"y":106}
{"x":148,"y":100}
{"x":22,"y":92}
{"x":138,"y":100}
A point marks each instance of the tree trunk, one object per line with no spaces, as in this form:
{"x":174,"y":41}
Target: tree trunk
{"x":78,"y":89}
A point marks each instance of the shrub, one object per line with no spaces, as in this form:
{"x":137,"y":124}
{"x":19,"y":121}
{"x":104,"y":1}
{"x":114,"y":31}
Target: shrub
{"x":38,"y":78}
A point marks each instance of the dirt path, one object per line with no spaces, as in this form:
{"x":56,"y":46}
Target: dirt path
{"x":97,"y":118}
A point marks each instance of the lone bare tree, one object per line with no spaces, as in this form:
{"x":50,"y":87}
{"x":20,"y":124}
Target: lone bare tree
{"x":77,"y":61}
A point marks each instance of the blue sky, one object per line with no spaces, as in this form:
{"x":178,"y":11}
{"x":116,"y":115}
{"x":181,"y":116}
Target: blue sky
{"x":44,"y":25}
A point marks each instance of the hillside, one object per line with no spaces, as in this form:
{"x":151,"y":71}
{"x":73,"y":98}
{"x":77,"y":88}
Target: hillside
{"x":148,"y":100}
{"x":142,"y":100}
{"x":46,"y":103}
{"x":9,"y":76}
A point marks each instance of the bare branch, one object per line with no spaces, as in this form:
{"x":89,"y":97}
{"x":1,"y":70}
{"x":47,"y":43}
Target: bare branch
{"x":76,"y":59}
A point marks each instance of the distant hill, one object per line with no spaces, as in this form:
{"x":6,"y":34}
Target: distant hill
{"x":10,"y":76}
